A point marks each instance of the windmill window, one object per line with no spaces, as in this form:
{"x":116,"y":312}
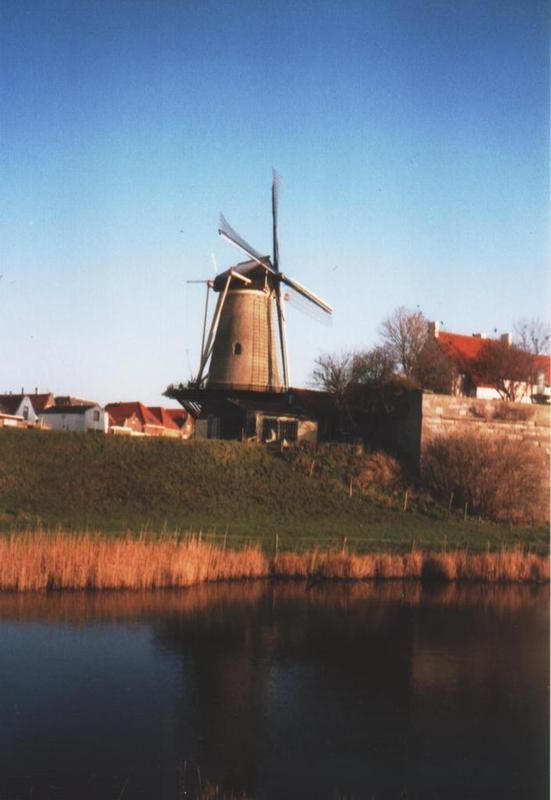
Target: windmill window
{"x":237,"y":349}
{"x":288,"y":430}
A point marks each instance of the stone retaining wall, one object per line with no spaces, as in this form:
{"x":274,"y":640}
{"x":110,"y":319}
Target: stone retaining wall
{"x":442,"y":415}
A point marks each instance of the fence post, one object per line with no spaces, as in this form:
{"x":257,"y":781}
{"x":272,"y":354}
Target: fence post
{"x":312,"y":465}
{"x":406,"y":497}
{"x":465,"y":511}
{"x":450,"y":503}
{"x":350,"y":487}
{"x":276,"y":545}
{"x":344,"y":540}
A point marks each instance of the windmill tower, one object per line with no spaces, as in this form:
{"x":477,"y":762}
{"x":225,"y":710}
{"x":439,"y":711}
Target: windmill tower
{"x":241,"y":347}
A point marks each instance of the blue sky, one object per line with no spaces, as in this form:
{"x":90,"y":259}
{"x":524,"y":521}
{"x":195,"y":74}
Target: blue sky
{"x":412,"y":138}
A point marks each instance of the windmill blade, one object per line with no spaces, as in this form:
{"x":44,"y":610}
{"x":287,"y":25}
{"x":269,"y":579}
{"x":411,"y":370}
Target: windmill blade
{"x":282,"y":335}
{"x":227,"y":232}
{"x":300,"y":303}
{"x":275,"y":204}
{"x":302,"y":290}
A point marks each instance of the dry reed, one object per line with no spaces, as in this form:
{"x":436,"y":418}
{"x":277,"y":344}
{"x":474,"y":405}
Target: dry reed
{"x":35,"y":562}
{"x":44,"y":561}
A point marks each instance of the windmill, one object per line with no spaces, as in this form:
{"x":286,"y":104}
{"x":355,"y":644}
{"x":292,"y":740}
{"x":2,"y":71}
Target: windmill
{"x":241,"y":348}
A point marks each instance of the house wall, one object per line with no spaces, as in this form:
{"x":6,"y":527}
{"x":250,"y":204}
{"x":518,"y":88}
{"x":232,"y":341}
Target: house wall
{"x":100,"y":425}
{"x":77,"y":422}
{"x":30,"y":415}
{"x":523,"y":393}
{"x":11,"y":421}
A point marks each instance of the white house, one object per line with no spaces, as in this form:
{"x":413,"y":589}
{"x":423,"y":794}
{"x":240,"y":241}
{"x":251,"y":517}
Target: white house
{"x":18,"y":405}
{"x":464,"y":351}
{"x":89,"y":417}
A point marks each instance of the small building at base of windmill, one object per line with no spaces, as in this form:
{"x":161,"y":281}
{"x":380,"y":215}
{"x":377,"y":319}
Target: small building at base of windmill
{"x":271,"y":417}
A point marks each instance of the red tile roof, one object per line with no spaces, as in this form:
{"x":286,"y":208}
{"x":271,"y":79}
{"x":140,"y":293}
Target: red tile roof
{"x":458,"y":346}
{"x":463,"y":350}
{"x":67,"y":400}
{"x":41,"y":401}
{"x":544,"y":363}
{"x":119,"y":412}
{"x":164,"y":417}
{"x":178,"y":415}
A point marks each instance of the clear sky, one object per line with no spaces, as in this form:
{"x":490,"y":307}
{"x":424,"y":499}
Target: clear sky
{"x":412,"y":137}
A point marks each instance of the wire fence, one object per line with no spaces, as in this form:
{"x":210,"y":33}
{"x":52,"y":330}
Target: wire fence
{"x":358,"y":544}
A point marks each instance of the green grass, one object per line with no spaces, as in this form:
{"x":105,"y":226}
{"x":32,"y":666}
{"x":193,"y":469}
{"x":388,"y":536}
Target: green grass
{"x":111,"y":484}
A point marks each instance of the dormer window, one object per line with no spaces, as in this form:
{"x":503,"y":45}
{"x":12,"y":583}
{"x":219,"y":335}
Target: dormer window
{"x":237,"y":349}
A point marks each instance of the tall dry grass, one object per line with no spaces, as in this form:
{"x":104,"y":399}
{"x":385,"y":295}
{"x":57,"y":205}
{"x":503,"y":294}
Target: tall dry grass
{"x":45,"y":561}
{"x":39,"y":561}
{"x":513,"y":565}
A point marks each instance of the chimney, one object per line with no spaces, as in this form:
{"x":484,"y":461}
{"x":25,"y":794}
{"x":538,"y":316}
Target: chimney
{"x":22,"y":390}
{"x":433,"y":329}
{"x":480,"y":335}
{"x":506,"y":337}
{"x":36,"y":389}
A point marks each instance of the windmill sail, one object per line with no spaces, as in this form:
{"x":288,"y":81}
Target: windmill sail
{"x":279,"y":303}
{"x":299,"y":303}
{"x":298,"y":287}
{"x":227,"y":232}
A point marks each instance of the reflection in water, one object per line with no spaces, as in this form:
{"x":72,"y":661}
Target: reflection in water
{"x":368,"y":690}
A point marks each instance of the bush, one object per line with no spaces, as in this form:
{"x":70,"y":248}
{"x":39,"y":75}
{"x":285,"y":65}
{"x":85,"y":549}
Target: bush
{"x":504,"y":412}
{"x":501,"y":479}
{"x":343,"y":462}
{"x":382,"y":470}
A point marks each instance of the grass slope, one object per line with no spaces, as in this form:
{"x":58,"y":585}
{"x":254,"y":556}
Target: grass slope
{"x":85,"y":481}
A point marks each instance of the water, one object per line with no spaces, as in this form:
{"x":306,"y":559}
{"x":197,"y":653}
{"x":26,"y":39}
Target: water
{"x":370,"y":691}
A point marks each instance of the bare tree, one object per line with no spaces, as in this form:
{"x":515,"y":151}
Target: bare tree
{"x":505,"y":367}
{"x":434,"y":370}
{"x":533,"y":336}
{"x":333,"y":373}
{"x":404,"y":334}
{"x":374,"y":367}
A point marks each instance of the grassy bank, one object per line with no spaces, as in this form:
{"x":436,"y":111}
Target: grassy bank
{"x":110,"y":484}
{"x":39,"y":562}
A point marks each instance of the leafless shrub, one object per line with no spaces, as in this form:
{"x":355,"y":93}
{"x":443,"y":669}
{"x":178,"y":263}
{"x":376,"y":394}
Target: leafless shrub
{"x":480,"y":410}
{"x":512,"y":413}
{"x":503,"y":412}
{"x":498,"y":478}
{"x":382,"y":470}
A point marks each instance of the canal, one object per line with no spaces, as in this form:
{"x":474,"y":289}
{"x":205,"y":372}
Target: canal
{"x":276,"y":690}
